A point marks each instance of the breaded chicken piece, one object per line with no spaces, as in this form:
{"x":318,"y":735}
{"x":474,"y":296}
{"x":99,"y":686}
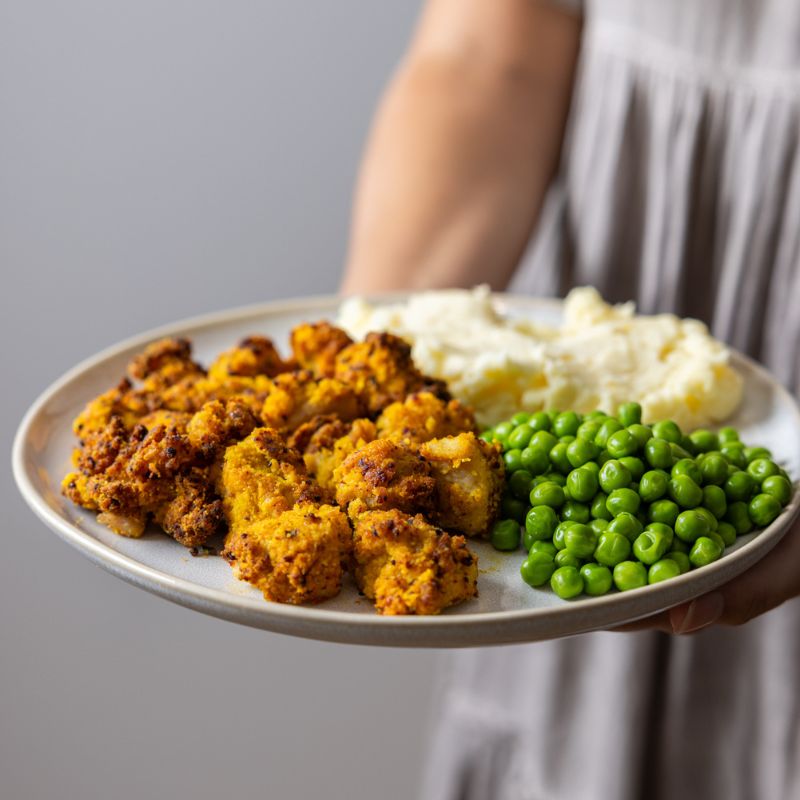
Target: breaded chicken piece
{"x":469,"y":482}
{"x":254,"y":355}
{"x":316,"y":345}
{"x":326,"y":441}
{"x":195,"y":513}
{"x":423,"y":416}
{"x":295,"y":557}
{"x":408,"y":566}
{"x":123,"y":401}
{"x":219,"y":423}
{"x":381,"y":371}
{"x":262,"y":477}
{"x":384,"y":474}
{"x":164,"y":363}
{"x":297,"y":397}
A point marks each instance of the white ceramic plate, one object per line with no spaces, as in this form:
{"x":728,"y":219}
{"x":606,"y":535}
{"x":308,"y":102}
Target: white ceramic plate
{"x":507,"y":609}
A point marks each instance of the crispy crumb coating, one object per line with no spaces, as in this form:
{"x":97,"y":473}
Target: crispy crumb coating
{"x":381,"y":371}
{"x":123,"y":402}
{"x":297,"y":556}
{"x":384,"y":474}
{"x":220,"y":423}
{"x":469,"y":482}
{"x":423,"y":416}
{"x":262,"y":477}
{"x":408,"y":566}
{"x":298,"y":397}
{"x":164,"y":363}
{"x":254,"y":355}
{"x":326,"y":441}
{"x":316,"y":345}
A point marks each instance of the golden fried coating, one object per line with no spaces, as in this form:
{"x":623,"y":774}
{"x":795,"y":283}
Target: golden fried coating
{"x":262,"y":477}
{"x":297,"y":397}
{"x":255,"y":355}
{"x":123,"y":401}
{"x":408,"y":566}
{"x":469,"y":482}
{"x":384,"y":474}
{"x":381,"y":371}
{"x":195,"y":513}
{"x":218,"y":424}
{"x":296,"y":556}
{"x":423,"y":416}
{"x":164,"y":363}
{"x":326,"y":441}
{"x":315,"y":347}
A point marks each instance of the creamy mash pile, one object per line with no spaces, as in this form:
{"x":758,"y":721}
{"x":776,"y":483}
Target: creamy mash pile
{"x":601,"y":356}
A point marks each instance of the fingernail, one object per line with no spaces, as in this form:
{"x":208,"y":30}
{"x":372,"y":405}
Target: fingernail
{"x":701,"y":612}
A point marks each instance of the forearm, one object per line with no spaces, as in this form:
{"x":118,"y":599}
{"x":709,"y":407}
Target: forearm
{"x":458,"y":162}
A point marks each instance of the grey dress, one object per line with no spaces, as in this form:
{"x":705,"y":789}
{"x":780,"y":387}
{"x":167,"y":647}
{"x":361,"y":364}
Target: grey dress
{"x":680,"y":187}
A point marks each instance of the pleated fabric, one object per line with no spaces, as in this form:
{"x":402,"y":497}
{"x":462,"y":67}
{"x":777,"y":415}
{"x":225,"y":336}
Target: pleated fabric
{"x":680,"y":188}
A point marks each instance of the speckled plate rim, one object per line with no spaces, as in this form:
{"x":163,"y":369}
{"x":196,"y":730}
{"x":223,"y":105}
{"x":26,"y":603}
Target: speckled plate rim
{"x":463,"y":630}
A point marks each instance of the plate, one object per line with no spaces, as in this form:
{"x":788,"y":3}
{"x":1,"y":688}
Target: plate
{"x":506,"y":611}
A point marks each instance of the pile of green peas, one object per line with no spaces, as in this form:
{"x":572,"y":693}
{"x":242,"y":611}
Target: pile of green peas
{"x":600,"y":501}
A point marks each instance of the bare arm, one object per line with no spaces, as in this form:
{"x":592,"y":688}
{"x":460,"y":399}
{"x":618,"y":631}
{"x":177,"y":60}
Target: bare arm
{"x":463,"y":147}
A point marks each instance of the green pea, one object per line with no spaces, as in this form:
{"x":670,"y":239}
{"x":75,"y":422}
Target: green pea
{"x":690,"y":526}
{"x":543,"y":547}
{"x":629,"y":575}
{"x":623,"y":500}
{"x":679,"y":452}
{"x":537,"y":568}
{"x":715,"y":537}
{"x":704,"y":551}
{"x":734,"y":452}
{"x":594,"y":467}
{"x":714,"y":469}
{"x":728,"y":434}
{"x":544,"y":440}
{"x":614,"y":475}
{"x":629,"y":414}
{"x":681,"y":546}
{"x":739,"y":486}
{"x":761,"y":468}
{"x":540,"y":522}
{"x":535,"y":460}
{"x":513,"y":459}
{"x":704,"y":441}
{"x":572,"y":511}
{"x":598,"y":508}
{"x":520,"y":418}
{"x":634,"y":465}
{"x":560,"y":533}
{"x":567,"y":439}
{"x":580,"y":540}
{"x":658,"y":454}
{"x":547,"y":494}
{"x":566,"y":582}
{"x":621,"y":444}
{"x":663,"y":570}
{"x":580,"y":451}
{"x":502,"y":429}
{"x":566,"y":424}
{"x":650,"y":546}
{"x":598,"y":526}
{"x":667,"y":430}
{"x":582,"y":484}
{"x":715,"y":501}
{"x":505,"y":534}
{"x":663,"y":529}
{"x":686,"y":466}
{"x":519,"y":483}
{"x":552,"y":413}
{"x":738,"y":516}
{"x":681,"y":559}
{"x":685,"y":492}
{"x":511,"y":508}
{"x":611,"y":548}
{"x":558,"y":458}
{"x":597,"y":579}
{"x":727,"y":533}
{"x":539,"y":422}
{"x":626,"y":524}
{"x":778,"y":487}
{"x":642,"y":433}
{"x":764,"y":509}
{"x":588,"y":429}
{"x":609,"y":427}
{"x":520,"y":436}
{"x":566,"y":559}
{"x":602,"y":458}
{"x":664,"y":511}
{"x":753,"y":453}
{"x":596,"y":414}
{"x":653,"y":485}
{"x":557,"y":477}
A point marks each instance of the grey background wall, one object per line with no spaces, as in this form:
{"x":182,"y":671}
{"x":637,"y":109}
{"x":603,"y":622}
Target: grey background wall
{"x":158,"y":160}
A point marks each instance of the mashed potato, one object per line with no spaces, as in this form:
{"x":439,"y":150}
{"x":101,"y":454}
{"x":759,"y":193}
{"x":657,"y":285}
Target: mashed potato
{"x":601,"y":356}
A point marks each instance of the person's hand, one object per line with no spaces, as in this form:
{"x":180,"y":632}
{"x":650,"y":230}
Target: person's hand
{"x":772,"y":581}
